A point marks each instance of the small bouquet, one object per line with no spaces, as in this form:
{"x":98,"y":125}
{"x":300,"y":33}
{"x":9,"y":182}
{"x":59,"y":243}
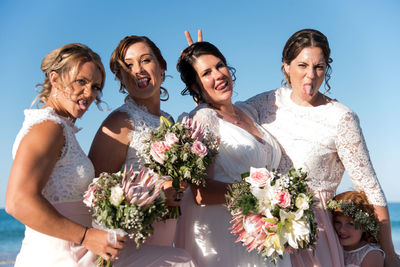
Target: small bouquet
{"x":182,"y":151}
{"x":127,"y":202}
{"x":272,"y":212}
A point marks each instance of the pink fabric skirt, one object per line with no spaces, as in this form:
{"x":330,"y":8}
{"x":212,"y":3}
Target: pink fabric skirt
{"x":43,"y":250}
{"x":157,"y":251}
{"x":328,"y":251}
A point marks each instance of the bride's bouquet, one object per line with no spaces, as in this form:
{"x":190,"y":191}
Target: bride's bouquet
{"x":182,"y":150}
{"x":272,"y":212}
{"x":127,"y":202}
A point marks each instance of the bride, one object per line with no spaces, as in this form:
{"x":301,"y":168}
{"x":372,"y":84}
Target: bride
{"x":203,"y":229}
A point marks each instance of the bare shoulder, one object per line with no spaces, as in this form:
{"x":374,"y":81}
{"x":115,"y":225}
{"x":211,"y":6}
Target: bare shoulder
{"x":118,"y":120}
{"x":44,"y":137}
{"x":373,"y":258}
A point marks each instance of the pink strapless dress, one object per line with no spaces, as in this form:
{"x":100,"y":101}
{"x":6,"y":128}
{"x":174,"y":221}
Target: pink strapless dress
{"x":157,"y":251}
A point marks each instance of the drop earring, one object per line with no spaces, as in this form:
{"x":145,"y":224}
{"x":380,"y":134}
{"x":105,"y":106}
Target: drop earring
{"x":55,"y":93}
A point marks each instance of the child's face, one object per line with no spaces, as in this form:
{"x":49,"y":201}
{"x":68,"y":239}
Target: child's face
{"x":349,"y":236}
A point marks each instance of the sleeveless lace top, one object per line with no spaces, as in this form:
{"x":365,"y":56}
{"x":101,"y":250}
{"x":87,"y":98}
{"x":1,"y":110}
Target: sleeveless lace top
{"x":324,"y":141}
{"x":354,"y":258}
{"x":238,"y":149}
{"x":142,"y":124}
{"x":73,"y":171}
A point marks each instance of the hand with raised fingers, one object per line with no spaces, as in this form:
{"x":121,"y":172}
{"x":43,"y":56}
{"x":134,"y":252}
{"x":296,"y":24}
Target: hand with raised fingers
{"x":107,"y":245}
{"x":189,"y":38}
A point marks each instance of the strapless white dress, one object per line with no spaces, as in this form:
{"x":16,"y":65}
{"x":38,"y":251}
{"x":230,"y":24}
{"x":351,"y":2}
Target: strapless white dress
{"x":203,"y":231}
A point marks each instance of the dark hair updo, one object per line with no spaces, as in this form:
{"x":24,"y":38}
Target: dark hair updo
{"x":303,"y":39}
{"x":187,"y":71}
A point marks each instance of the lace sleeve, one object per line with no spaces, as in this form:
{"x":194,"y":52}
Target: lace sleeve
{"x":204,"y":116}
{"x":258,"y":105}
{"x":354,"y":155}
{"x":248,"y":109}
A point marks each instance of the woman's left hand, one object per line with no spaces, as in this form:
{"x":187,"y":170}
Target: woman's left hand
{"x":172,"y":197}
{"x":189,"y":38}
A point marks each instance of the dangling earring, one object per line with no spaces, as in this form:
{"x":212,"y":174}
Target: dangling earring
{"x":163,"y":76}
{"x":55,"y":93}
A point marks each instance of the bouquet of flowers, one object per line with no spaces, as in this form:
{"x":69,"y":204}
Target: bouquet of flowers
{"x":127,"y":201}
{"x":182,"y":151}
{"x":272,"y":212}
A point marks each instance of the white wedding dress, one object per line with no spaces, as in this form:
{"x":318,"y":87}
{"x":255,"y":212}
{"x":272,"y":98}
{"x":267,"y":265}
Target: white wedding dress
{"x":324,"y":141}
{"x":158,"y":250}
{"x":203,"y":231}
{"x":72,"y":174}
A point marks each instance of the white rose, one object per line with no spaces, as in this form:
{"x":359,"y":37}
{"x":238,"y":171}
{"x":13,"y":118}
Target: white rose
{"x":117,"y":195}
{"x":302,"y":202}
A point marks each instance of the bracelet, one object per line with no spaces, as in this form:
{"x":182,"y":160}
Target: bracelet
{"x":84,"y":235}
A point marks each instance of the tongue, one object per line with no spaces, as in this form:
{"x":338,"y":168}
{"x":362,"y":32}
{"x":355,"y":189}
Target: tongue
{"x":82,"y":106}
{"x":308,"y":89}
{"x":143,"y":84}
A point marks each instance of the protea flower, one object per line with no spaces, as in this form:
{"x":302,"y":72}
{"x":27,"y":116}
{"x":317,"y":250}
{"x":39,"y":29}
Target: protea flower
{"x":141,"y":188}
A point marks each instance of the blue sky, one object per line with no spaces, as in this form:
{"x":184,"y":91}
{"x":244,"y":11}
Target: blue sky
{"x":364,"y":38}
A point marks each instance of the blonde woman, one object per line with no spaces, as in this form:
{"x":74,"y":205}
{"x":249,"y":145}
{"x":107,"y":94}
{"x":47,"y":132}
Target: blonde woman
{"x":50,"y":172}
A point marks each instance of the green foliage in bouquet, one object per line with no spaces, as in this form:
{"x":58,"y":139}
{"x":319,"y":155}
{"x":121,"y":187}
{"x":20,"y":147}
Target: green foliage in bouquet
{"x":128,"y":201}
{"x":182,"y":151}
{"x":272,"y":211}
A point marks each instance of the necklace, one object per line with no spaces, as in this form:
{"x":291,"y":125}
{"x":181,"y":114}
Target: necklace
{"x":235,"y":117}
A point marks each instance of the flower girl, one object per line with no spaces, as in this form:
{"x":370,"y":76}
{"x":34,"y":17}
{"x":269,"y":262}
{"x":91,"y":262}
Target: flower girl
{"x":357,"y":228}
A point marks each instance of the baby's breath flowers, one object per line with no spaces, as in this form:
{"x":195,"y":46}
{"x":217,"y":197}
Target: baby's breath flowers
{"x":128,"y":200}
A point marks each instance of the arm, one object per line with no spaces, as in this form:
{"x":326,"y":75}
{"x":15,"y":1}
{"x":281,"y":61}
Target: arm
{"x":109,"y":146}
{"x":374,"y":258}
{"x":354,"y":155}
{"x":211,"y":194}
{"x":34,"y":161}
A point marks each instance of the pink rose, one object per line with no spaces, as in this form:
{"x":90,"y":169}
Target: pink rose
{"x":157,"y":151}
{"x":259,"y":177}
{"x":283,"y":198}
{"x":199,"y":149}
{"x":171,"y":139}
{"x":88,"y":197}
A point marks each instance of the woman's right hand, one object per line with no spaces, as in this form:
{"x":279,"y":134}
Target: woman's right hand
{"x":98,"y":242}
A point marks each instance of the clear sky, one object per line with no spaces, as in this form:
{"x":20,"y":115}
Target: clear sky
{"x":364,"y":37}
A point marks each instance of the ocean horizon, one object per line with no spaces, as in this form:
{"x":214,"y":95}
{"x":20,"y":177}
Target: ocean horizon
{"x":12,"y":233}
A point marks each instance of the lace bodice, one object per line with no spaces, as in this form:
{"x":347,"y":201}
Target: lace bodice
{"x":142,"y":124}
{"x":354,"y":258}
{"x":325,"y":141}
{"x":238,"y":150}
{"x":73,"y":171}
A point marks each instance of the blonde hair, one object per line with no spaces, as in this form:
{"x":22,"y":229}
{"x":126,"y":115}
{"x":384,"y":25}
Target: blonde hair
{"x":63,"y":60}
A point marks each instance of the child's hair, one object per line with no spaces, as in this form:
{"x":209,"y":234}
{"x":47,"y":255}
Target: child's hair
{"x":355,"y":205}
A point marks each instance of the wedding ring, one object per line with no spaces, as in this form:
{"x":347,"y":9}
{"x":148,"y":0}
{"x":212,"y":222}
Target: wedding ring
{"x":112,"y":238}
{"x":178,"y":196}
